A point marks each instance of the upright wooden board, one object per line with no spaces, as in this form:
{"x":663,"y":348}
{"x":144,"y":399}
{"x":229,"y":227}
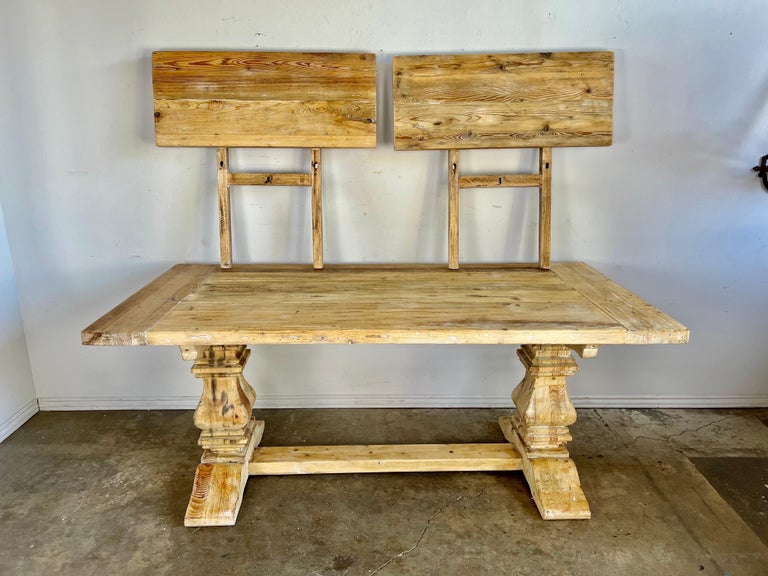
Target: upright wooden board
{"x":291,"y":99}
{"x":503,"y":100}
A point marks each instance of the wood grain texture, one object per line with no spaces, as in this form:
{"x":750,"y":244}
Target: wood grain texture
{"x":228,"y":434}
{"x":552,"y":477}
{"x":126,"y":324}
{"x":647,"y":323}
{"x":503,"y":100}
{"x":217,"y":492}
{"x":290,"y":99}
{"x":545,"y":208}
{"x":225,"y":211}
{"x":269,"y":179}
{"x":482,"y":304}
{"x":555,"y":486}
{"x":384,"y":458}
{"x":508,"y":425}
{"x":453,"y":209}
{"x":544,"y":409}
{"x":224,"y":411}
{"x":316,"y":170}
{"x":500,"y":181}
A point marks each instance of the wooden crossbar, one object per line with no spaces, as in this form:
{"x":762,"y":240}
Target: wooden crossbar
{"x":269,"y":179}
{"x":500,"y":181}
{"x":313,"y":178}
{"x":541,"y":180}
{"x":359,"y":459}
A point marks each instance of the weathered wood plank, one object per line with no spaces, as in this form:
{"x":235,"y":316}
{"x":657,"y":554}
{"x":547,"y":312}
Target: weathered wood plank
{"x":269,"y":179}
{"x":384,"y":458}
{"x":386,"y":304}
{"x":262,"y":75}
{"x":645,"y":324}
{"x":317,"y":209}
{"x":453,"y":209}
{"x":225,"y":211}
{"x":500,"y":181}
{"x":545,"y":208}
{"x":292,"y":99}
{"x":126,"y":324}
{"x":555,"y":486}
{"x":503,"y":100}
{"x":217,"y":491}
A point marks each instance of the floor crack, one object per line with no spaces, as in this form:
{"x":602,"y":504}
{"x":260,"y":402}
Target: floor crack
{"x":678,"y":434}
{"x":423,"y":532}
{"x":639,"y":437}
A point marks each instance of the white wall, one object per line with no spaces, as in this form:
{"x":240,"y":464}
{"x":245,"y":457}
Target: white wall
{"x":17,"y":392}
{"x":672,"y":210}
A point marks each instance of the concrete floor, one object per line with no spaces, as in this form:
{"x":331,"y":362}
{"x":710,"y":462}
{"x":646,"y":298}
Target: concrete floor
{"x":104,"y":493}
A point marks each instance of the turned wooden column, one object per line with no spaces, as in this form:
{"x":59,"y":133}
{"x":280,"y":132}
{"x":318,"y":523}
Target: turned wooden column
{"x":544,"y":409}
{"x":228,"y":434}
{"x":539,"y":431}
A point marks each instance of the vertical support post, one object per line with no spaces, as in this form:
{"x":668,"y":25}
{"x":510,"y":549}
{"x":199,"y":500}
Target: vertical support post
{"x":225,"y":217}
{"x":317,"y":210}
{"x":544,"y":409}
{"x":539,"y":432}
{"x":453,"y":209}
{"x":545,"y":208}
{"x":228,"y":434}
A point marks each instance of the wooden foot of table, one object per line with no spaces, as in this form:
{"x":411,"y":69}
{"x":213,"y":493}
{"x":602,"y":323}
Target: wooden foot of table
{"x":554,"y":482}
{"x":229,"y":434}
{"x":539,"y":432}
{"x":218,"y":488}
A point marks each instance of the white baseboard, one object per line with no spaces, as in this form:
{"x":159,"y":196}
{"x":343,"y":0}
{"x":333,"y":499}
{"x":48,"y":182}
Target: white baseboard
{"x":663,"y":401}
{"x":14,"y":422}
{"x":266,"y":401}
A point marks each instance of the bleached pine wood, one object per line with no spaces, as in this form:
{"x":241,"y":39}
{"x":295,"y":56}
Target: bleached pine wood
{"x":228,"y":434}
{"x":225,"y":212}
{"x":288,"y":99}
{"x":223,"y":99}
{"x":317,"y":209}
{"x":542,"y":180}
{"x":544,"y":409}
{"x":555,"y":486}
{"x":225,"y":406}
{"x":508,"y":428}
{"x":481,"y":304}
{"x":539,"y":432}
{"x":585,"y":350}
{"x":648,"y":324}
{"x":545,"y":208}
{"x":453,"y":209}
{"x":503,"y":100}
{"x":500,"y":181}
{"x":227,"y":179}
{"x":269,"y":179}
{"x":217,"y":494}
{"x":384,"y":458}
{"x":127,"y":323}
